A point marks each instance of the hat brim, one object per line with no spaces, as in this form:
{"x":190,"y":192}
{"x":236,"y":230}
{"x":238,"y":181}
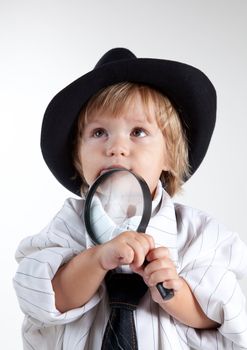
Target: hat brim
{"x":188,"y":88}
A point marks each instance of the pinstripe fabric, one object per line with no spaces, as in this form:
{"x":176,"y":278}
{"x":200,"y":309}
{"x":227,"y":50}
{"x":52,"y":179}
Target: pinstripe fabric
{"x":210,"y":258}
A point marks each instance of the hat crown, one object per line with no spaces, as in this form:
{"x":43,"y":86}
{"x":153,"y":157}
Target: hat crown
{"x":113,"y":55}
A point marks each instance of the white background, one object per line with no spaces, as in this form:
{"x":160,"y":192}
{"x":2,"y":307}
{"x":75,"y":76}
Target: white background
{"x":45,"y":44}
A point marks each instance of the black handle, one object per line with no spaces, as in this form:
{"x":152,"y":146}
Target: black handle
{"x":165,"y":293}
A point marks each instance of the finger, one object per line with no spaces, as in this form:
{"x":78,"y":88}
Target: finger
{"x":175,"y":284}
{"x":161,"y":276}
{"x":130,"y":248}
{"x":139,"y":252}
{"x":140,"y":243}
{"x":150,"y":240}
{"x":114,"y":253}
{"x":120,"y":251}
{"x":145,"y":240}
{"x":159,"y":264}
{"x":125,"y":254}
{"x":157,"y":253}
{"x":138,"y":270}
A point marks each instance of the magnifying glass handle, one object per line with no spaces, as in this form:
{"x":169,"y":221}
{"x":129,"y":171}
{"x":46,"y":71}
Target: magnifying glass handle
{"x":165,"y":293}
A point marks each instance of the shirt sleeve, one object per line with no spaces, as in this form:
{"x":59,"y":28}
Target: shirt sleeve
{"x":39,"y":258}
{"x":211,"y":262}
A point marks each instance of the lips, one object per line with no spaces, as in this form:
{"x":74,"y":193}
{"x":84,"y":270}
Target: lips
{"x":111,"y":167}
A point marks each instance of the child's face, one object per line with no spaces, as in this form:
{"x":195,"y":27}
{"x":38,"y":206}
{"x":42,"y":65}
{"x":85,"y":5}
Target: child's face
{"x":131,"y":140}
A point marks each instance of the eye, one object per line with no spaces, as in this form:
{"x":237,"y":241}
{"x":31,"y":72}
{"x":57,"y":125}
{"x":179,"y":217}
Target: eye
{"x":138,"y":132}
{"x":97,"y":133}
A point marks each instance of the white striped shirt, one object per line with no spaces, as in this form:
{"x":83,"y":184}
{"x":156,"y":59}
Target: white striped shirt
{"x":210,"y":258}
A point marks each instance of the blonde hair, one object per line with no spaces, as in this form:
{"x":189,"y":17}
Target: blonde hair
{"x":119,"y":96}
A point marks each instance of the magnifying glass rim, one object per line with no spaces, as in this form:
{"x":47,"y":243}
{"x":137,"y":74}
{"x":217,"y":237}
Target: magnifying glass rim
{"x":147,"y":201}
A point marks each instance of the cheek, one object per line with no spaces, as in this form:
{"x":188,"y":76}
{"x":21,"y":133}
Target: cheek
{"x":83,"y":162}
{"x":165,"y":165}
{"x":164,"y":158}
{"x":89,"y":167}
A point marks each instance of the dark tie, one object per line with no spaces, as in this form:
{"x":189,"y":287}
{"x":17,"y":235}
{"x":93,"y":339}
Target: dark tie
{"x":124,"y":291}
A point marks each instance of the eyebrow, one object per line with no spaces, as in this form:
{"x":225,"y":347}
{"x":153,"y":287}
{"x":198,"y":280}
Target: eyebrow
{"x":138,"y":120}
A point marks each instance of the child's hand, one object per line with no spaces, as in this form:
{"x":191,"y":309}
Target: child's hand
{"x":160,"y":268}
{"x":128,"y":248}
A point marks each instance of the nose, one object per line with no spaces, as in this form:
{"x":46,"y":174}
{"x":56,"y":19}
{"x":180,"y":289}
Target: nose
{"x":117,"y":147}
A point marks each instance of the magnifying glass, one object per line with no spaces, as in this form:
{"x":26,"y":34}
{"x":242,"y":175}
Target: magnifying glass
{"x":117,"y":201}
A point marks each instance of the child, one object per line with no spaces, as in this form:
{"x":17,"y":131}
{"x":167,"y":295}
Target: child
{"x":155,"y":118}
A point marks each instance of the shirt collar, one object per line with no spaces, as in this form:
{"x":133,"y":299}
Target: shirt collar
{"x":163,"y":225}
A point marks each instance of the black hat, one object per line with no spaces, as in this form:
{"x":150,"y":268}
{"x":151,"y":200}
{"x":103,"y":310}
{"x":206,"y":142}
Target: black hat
{"x":191,"y":92}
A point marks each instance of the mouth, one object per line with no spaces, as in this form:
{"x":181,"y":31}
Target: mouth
{"x":104,"y":170}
